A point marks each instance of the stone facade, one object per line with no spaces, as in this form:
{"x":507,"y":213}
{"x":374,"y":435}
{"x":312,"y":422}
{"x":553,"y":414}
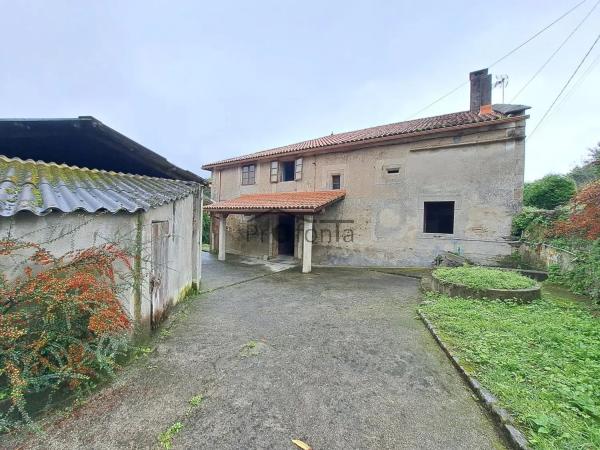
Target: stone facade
{"x":381,"y":220}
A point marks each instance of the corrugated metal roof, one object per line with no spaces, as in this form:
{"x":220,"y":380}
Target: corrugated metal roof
{"x":41,"y":187}
{"x":85,"y":142}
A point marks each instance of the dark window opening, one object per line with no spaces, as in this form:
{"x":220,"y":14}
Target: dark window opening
{"x":336,"y":182}
{"x":439,"y":217}
{"x":248,"y":174}
{"x":393,"y":170}
{"x":285,"y":235}
{"x":287,"y":170}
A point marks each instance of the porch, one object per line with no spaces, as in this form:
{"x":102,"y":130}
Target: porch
{"x":289,"y":216}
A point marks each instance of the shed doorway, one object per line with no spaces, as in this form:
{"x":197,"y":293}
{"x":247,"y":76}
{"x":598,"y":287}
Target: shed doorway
{"x":285,"y":235}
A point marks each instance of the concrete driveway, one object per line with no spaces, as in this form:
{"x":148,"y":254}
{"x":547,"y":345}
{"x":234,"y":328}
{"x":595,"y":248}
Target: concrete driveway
{"x":336,"y":358}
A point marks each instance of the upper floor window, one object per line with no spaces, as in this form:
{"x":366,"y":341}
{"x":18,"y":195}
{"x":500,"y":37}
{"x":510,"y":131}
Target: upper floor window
{"x":287,"y":170}
{"x":249,"y":174}
{"x":336,"y":181}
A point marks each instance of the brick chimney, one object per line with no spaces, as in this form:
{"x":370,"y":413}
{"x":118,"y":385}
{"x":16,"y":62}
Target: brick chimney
{"x":481,"y":91}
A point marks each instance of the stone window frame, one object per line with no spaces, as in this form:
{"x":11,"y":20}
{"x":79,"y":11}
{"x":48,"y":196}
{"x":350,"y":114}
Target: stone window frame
{"x":440,"y":197}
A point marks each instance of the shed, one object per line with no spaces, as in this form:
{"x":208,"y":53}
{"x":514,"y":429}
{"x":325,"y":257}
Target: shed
{"x":72,"y":183}
{"x":67,"y":208}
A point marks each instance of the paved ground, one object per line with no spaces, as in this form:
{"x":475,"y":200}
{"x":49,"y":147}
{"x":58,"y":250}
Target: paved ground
{"x":336,"y":358}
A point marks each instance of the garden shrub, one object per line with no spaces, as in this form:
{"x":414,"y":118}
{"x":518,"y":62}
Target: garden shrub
{"x":61,"y":323}
{"x":580,"y":233}
{"x":584,"y":277}
{"x":483,"y":278}
{"x":549,"y":192}
{"x":528,"y":217}
{"x":584,"y":220}
{"x":206,"y":226}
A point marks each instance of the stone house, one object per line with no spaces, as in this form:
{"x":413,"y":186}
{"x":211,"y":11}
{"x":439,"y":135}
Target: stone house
{"x":391,"y":195}
{"x":153,"y":212}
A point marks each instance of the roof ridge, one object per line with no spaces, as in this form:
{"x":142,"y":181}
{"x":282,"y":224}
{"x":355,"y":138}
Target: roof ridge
{"x":85,"y":169}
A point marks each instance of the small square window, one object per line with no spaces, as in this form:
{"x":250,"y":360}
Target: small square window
{"x":393,"y":170}
{"x":438,"y":217}
{"x":336,"y":182}
{"x":249,"y":174}
{"x":288,"y":169}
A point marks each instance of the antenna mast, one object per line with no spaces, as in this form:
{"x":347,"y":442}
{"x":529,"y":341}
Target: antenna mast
{"x":501,"y":80}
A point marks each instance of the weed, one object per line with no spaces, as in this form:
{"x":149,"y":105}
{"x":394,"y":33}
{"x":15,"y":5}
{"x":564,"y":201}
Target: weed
{"x":250,"y":348}
{"x":139,"y":352}
{"x":195,"y":400}
{"x":165,"y":438}
{"x":165,"y":332}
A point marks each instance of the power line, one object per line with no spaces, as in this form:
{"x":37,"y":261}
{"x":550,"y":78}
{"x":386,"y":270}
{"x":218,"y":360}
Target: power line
{"x":556,"y":51}
{"x":538,"y":33}
{"x":453,"y":90}
{"x":579,"y":81}
{"x":565,"y":85}
{"x":438,"y":100}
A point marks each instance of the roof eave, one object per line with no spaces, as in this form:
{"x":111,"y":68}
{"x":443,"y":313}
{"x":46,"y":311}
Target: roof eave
{"x":145,"y":153}
{"x":363,"y":143}
{"x":216,"y":208}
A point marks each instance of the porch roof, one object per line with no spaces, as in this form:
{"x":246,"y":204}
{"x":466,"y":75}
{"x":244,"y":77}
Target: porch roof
{"x":294,"y":202}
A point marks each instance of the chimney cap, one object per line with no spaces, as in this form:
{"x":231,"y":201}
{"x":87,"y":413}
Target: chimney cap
{"x":478,"y":73}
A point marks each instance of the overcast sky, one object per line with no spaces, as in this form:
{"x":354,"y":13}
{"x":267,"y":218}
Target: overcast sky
{"x":198,"y":81}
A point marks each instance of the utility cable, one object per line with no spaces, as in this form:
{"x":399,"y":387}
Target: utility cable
{"x":556,"y":51}
{"x":565,"y":85}
{"x":577,"y":83}
{"x":452,"y":91}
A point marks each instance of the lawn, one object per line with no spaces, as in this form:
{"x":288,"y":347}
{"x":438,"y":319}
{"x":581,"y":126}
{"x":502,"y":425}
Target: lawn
{"x":541,"y":360}
{"x":483,"y":277}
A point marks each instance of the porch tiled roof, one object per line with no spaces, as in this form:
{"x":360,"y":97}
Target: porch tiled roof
{"x":305,"y":202}
{"x":458,"y":120}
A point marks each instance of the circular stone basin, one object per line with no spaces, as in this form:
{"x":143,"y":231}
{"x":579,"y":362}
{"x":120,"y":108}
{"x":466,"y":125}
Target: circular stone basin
{"x":460,"y":290}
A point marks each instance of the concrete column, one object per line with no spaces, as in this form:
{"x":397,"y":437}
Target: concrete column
{"x":200,"y":232}
{"x":307,"y":238}
{"x":299,"y":233}
{"x":222,"y":234}
{"x":196,"y":238}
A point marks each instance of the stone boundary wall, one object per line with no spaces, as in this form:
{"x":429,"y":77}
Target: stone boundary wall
{"x":542,"y":256}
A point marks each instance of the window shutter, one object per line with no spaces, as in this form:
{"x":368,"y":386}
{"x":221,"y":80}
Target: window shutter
{"x":298,"y":174}
{"x":274,"y":171}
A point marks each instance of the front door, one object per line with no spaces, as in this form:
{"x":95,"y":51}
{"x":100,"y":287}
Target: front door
{"x":285,"y":235}
{"x":159,"y":272}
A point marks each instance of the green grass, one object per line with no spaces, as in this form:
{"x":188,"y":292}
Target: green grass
{"x":195,"y":400}
{"x":541,"y":360}
{"x":483,"y":278}
{"x":165,"y":439}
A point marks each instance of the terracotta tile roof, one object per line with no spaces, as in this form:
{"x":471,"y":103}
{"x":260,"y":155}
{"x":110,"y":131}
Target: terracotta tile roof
{"x":308,"y":202}
{"x":412,"y":127}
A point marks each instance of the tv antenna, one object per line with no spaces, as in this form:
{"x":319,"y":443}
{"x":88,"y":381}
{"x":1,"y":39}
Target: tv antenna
{"x":501,"y":80}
